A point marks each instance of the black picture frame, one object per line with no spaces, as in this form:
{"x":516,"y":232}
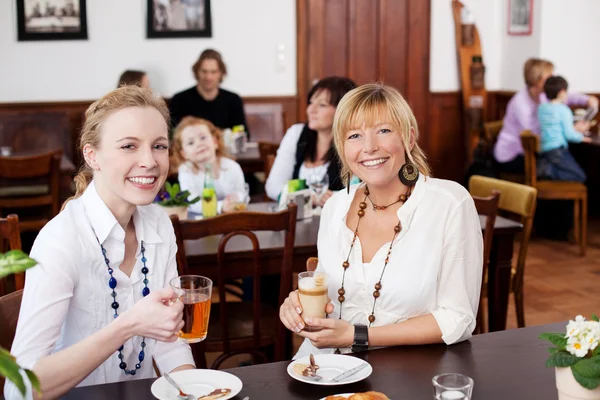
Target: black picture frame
{"x":26,"y":33}
{"x":203,"y":31}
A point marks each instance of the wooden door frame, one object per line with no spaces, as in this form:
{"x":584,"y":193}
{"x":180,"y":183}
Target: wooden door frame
{"x":418,"y":41}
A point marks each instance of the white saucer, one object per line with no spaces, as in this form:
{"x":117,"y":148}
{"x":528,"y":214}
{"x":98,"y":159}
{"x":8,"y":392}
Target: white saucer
{"x":330,"y":366}
{"x":346,"y":395}
{"x":198,"y":382}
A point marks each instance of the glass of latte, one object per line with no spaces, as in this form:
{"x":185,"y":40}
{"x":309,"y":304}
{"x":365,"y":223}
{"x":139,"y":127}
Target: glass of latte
{"x":312,"y":291}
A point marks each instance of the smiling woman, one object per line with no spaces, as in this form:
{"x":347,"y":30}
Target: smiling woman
{"x":108,"y":254}
{"x":402,"y":251}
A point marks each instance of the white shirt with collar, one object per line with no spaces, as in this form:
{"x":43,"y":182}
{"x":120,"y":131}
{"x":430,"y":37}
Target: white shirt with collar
{"x":435,"y":266}
{"x":67,"y":297}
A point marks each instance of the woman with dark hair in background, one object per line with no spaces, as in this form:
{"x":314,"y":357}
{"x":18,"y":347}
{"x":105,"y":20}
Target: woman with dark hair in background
{"x":134,"y":77}
{"x":207,"y":99}
{"x":307,"y":149}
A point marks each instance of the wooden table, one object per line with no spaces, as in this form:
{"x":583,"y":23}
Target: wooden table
{"x":504,"y":365}
{"x":202,"y":257}
{"x":250,"y":160}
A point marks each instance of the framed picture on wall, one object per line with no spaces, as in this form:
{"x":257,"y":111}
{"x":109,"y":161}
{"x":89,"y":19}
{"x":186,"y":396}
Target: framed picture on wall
{"x":51,"y":20}
{"x":179,"y":18}
{"x":520,"y":17}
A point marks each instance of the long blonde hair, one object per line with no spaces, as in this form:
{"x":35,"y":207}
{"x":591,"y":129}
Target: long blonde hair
{"x":366,"y":105}
{"x":99,"y":111}
{"x":177,"y":157}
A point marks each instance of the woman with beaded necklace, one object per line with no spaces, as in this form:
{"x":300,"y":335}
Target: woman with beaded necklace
{"x":97,"y":307}
{"x":403,"y":251}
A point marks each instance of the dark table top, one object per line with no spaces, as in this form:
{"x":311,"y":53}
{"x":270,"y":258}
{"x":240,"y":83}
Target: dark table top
{"x":66,"y":165}
{"x":504,"y":365}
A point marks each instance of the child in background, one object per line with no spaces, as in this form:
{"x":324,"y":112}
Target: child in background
{"x":557,"y":129}
{"x":197,"y":144}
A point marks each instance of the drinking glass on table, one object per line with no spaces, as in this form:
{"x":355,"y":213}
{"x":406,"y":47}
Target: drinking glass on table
{"x":452,"y":386}
{"x":318,"y":184}
{"x":195,"y":292}
{"x":239,"y":200}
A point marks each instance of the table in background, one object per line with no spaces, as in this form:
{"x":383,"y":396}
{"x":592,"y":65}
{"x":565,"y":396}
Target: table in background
{"x":202,"y":257}
{"x":504,"y":365}
{"x":250,"y":160}
{"x":587,"y":156}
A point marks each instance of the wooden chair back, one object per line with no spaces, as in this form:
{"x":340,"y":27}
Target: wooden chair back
{"x":10,"y":305}
{"x":517,"y":201}
{"x":531,"y":146}
{"x":487,"y":206}
{"x":31,"y":181}
{"x":245,"y":224}
{"x":265,"y":121}
{"x":9,"y":232}
{"x":267,"y":151}
{"x":492,"y":130}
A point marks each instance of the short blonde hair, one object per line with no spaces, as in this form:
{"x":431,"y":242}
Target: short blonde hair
{"x":366,"y":105}
{"x":97,"y":113}
{"x":535,"y":69}
{"x":177,"y":158}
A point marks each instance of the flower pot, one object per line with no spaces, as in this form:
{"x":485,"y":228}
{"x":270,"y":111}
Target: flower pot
{"x":180,"y":211}
{"x":570,"y":389}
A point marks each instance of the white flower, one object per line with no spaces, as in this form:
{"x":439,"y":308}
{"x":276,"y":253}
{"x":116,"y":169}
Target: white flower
{"x":574,"y":328}
{"x":577,"y":347}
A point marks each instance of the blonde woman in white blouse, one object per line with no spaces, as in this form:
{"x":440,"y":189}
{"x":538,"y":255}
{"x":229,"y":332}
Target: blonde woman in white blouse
{"x":96,"y":309}
{"x":197,"y":143}
{"x":413,"y":274}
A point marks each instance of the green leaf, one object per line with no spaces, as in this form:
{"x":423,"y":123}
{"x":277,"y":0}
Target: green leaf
{"x":596,"y":351}
{"x":34,"y":380}
{"x":557,"y":339}
{"x":13,"y":262}
{"x":588,"y":367}
{"x":595,"y":318}
{"x":561,"y":359}
{"x":553,"y":350}
{"x":10,"y":369}
{"x":586,"y":382}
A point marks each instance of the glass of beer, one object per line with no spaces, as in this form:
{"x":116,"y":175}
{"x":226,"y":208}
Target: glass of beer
{"x":195,"y":292}
{"x":312,"y":293}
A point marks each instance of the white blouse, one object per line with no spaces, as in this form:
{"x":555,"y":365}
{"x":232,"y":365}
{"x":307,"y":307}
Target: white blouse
{"x":435,"y":266}
{"x":231,"y":180}
{"x":67,"y":297}
{"x":285,"y":161}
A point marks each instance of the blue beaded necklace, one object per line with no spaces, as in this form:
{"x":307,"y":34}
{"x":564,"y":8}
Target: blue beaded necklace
{"x":112,"y":283}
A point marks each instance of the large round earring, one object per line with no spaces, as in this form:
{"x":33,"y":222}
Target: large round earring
{"x":409,"y":174}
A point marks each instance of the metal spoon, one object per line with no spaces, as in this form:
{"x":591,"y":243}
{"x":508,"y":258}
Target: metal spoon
{"x":182,"y":395}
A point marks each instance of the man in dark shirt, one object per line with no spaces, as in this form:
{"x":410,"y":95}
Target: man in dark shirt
{"x":207,"y":100}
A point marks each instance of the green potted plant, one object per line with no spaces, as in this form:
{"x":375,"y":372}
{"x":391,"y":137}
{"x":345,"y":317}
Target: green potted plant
{"x":174,"y":201}
{"x":13,"y":262}
{"x":576,"y":359}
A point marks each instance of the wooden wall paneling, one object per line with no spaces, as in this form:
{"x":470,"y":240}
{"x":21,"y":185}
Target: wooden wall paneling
{"x":445,"y":145}
{"x":301,"y":54}
{"x":417,"y":62}
{"x":363,"y":62}
{"x":393,"y":46}
{"x":336,"y":14}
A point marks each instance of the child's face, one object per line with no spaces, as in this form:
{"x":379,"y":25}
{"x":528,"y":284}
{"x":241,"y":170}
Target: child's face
{"x":198,"y":145}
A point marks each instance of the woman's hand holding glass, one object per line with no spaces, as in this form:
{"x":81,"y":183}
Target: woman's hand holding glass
{"x":157,"y":316}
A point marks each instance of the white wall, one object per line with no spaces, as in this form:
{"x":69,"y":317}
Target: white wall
{"x":247,"y":33}
{"x":564,"y":31}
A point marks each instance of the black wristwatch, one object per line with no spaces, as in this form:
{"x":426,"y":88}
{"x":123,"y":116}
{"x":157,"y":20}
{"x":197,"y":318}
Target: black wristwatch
{"x":361,"y":338}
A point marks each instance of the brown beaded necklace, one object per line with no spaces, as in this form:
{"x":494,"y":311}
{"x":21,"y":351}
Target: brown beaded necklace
{"x":361,"y":212}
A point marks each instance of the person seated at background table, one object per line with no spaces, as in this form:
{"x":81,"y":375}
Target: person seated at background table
{"x":134,"y":77}
{"x":521,"y":114}
{"x":96,"y":309}
{"x":207,"y":99}
{"x":403,"y":251}
{"x":198,"y":145}
{"x":307,"y":149}
{"x":557,"y":130}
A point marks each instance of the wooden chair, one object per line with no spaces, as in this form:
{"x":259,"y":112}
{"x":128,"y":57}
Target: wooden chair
{"x":491,"y":131}
{"x":31,"y":182}
{"x":241,"y":328}
{"x":487,"y":206}
{"x":267,"y":151}
{"x":517,"y":201}
{"x":557,"y":190}
{"x":9,"y":231}
{"x":265,"y":121}
{"x":10,"y":305}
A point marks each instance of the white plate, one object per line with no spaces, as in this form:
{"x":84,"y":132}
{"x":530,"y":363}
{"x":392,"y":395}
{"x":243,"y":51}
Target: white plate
{"x":346,"y":395}
{"x":330,"y":366}
{"x":198,"y":382}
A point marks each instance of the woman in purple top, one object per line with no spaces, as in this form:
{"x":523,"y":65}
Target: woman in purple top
{"x":521,"y":114}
